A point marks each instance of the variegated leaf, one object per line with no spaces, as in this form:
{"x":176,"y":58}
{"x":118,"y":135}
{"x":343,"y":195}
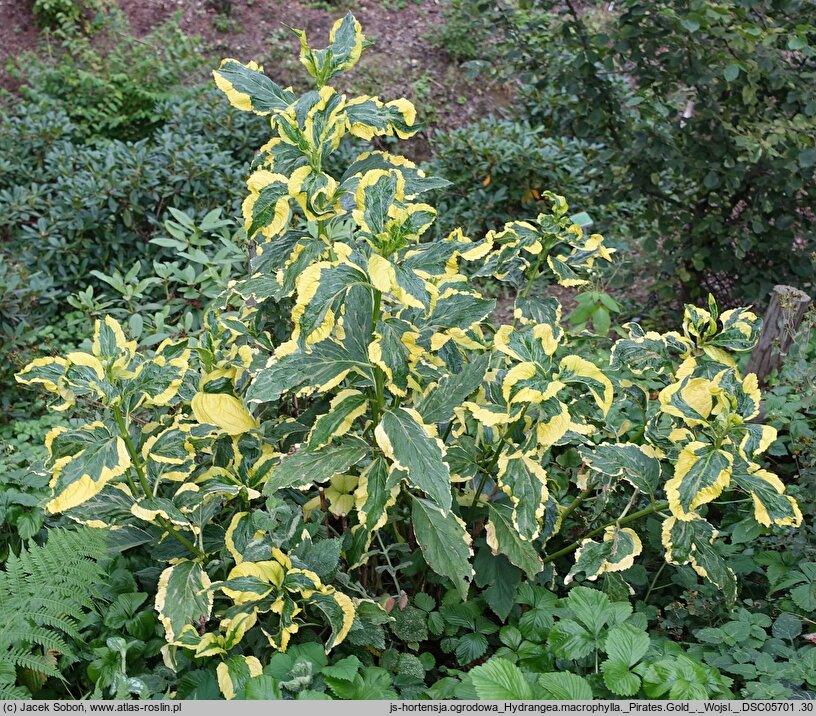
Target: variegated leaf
{"x":616,"y":553}
{"x":636,"y":464}
{"x":183,"y":597}
{"x":524,"y":481}
{"x":344,"y":409}
{"x":574,"y":369}
{"x":377,"y":490}
{"x":701,"y":473}
{"x":83,"y":460}
{"x":413,"y":447}
{"x":503,"y":538}
{"x":234,"y":673}
{"x":306,"y":467}
{"x":249,"y":89}
{"x":691,"y":542}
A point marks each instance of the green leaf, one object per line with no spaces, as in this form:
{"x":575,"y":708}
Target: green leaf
{"x":198,"y":685}
{"x":502,"y":537}
{"x":372,"y":683}
{"x":619,"y":679}
{"x":411,"y":447}
{"x":345,"y":669}
{"x":321,"y":557}
{"x":625,"y":645}
{"x":591,"y":607}
{"x":601,"y":321}
{"x":787,"y":626}
{"x":260,"y":688}
{"x":731,"y":72}
{"x":499,"y":578}
{"x":805,"y":596}
{"x":498,"y":680}
{"x":569,"y":640}
{"x":445,"y":543}
{"x":680,"y":676}
{"x":452,"y":390}
{"x":123,"y":609}
{"x":307,"y":467}
{"x":564,"y":686}
{"x":470,"y":647}
{"x":29,"y":524}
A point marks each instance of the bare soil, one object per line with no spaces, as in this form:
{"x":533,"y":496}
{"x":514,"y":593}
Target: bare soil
{"x":403,"y":62}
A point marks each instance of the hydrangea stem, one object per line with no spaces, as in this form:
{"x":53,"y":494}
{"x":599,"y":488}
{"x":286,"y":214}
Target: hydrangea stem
{"x":654,"y":507}
{"x":137,"y":466}
{"x":379,"y":391}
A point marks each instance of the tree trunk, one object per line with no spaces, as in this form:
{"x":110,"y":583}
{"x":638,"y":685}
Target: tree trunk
{"x":783,"y":317}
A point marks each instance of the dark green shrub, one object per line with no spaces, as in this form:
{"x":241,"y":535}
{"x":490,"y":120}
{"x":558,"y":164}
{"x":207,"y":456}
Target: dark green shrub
{"x":70,"y":208}
{"x":464,"y":33}
{"x":500,"y":169}
{"x":710,"y":110}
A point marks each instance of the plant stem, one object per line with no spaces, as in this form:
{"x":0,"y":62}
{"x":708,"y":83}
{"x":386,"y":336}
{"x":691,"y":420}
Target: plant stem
{"x":534,"y":274}
{"x":495,"y":457}
{"x":654,"y":581}
{"x":379,"y":397}
{"x":574,"y":504}
{"x":654,"y":507}
{"x":134,"y":456}
{"x":137,"y":465}
{"x":628,"y":506}
{"x":531,"y":280}
{"x":391,"y":570}
{"x":181,"y":539}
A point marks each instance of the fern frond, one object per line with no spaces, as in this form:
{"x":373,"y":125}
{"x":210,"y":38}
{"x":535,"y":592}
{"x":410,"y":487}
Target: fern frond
{"x":40,"y":636}
{"x":52,"y":611}
{"x":20,"y":656}
{"x":44,"y":594}
{"x":9,"y":692}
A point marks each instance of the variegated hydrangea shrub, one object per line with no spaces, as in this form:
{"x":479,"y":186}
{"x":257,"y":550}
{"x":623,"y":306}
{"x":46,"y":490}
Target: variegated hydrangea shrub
{"x":397,"y":412}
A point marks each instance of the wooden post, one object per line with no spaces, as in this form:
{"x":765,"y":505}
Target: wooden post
{"x":784,"y":315}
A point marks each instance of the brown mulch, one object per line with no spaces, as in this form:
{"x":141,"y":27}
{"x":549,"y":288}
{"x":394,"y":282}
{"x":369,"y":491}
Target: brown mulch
{"x":402,"y":62}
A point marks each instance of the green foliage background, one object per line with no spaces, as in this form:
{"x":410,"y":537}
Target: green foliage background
{"x":698,"y":167}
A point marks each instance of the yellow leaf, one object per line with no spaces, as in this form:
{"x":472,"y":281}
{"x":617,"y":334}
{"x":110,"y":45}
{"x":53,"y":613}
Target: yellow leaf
{"x":223,"y":411}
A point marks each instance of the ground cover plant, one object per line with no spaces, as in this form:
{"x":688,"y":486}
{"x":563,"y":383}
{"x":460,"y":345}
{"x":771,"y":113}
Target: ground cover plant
{"x":352,"y":481}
